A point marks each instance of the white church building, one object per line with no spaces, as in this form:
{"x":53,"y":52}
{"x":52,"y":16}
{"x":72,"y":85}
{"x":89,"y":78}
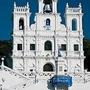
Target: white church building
{"x":42,"y":43}
{"x":49,"y":53}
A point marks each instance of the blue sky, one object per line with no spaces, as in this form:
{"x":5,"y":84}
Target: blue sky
{"x":6,"y":17}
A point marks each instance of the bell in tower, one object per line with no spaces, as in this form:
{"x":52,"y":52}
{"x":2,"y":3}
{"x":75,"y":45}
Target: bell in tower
{"x":47,"y":6}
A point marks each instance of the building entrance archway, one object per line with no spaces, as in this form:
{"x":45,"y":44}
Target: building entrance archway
{"x":48,"y":67}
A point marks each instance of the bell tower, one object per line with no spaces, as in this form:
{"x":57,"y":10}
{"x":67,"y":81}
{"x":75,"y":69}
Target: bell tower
{"x":21,"y":17}
{"x":48,"y":6}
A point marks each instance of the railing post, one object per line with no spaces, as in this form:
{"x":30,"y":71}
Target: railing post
{"x":2,"y":61}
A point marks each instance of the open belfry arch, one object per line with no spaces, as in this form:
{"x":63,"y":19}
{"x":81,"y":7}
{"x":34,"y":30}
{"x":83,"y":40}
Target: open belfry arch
{"x":47,"y":6}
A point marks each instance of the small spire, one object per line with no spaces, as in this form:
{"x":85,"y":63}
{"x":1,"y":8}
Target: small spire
{"x":27,"y":4}
{"x":14,"y":4}
{"x":80,"y":5}
{"x":67,"y":5}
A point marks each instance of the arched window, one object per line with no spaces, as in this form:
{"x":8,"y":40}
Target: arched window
{"x":48,"y":67}
{"x":21,"y":24}
{"x":74,"y":24}
{"x":48,"y":45}
{"x":47,"y":22}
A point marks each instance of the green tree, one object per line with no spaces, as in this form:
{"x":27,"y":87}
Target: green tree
{"x":86,"y":44}
{"x":6,"y":50}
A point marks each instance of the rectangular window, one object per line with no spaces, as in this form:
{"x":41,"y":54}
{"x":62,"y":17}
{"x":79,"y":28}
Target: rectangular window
{"x":32,"y":46}
{"x":60,"y":68}
{"x":76,"y":47}
{"x":63,"y":47}
{"x":19,"y":46}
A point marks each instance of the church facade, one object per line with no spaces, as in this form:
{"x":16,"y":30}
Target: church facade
{"x":48,"y":47}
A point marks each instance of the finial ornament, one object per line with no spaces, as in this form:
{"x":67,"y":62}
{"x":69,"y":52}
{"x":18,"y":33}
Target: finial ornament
{"x":27,"y":4}
{"x":80,"y":5}
{"x":67,"y":5}
{"x":14,"y":4}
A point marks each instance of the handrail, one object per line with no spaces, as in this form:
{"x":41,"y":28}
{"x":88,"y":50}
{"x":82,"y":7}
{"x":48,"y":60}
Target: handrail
{"x":15,"y":72}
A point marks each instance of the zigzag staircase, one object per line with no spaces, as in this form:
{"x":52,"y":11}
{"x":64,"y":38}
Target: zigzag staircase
{"x":12,"y":80}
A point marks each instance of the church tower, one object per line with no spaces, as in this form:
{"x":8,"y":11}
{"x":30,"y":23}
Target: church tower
{"x":73,"y":17}
{"x":21,"y":16}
